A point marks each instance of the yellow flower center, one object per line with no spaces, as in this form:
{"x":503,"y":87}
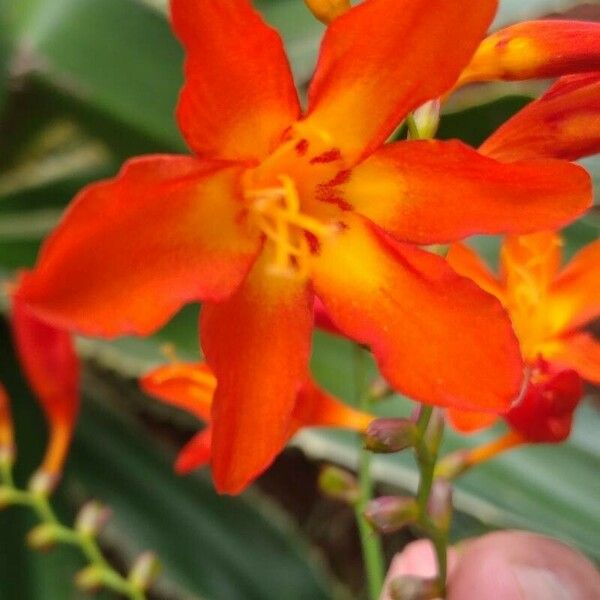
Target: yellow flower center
{"x":291,"y":234}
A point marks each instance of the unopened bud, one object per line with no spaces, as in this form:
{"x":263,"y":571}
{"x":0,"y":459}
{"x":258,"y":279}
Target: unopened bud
{"x":427,"y":118}
{"x":390,"y":513}
{"x":327,"y":10}
{"x":390,"y":435}
{"x":439,"y":506}
{"x":339,"y":484}
{"x":435,"y":431}
{"x":453,"y":465}
{"x":410,"y":587}
{"x":90,"y":579}
{"x":380,"y":389}
{"x":42,"y":537}
{"x":92,"y":517}
{"x":43,"y":483}
{"x":145,"y":570}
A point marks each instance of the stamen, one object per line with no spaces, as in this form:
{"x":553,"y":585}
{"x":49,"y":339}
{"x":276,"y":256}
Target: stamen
{"x":277,"y":213}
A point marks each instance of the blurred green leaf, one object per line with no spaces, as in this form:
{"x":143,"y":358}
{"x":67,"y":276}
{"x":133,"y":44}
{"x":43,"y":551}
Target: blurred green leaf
{"x":512,"y":11}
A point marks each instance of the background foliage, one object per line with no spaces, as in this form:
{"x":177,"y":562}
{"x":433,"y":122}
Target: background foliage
{"x":85,"y":84}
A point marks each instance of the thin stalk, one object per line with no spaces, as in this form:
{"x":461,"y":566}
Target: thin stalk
{"x":87,"y":544}
{"x":370,"y":541}
{"x":426,"y":455}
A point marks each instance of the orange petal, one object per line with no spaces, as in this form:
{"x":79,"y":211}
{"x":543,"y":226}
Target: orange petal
{"x":466,"y":262}
{"x":6,"y":425}
{"x":132,"y":250}
{"x":575,"y":294}
{"x":533,"y":259}
{"x":48,"y":359}
{"x":189,"y":386}
{"x":429,"y":328}
{"x":536,"y":49}
{"x":257,"y":344}
{"x":196,"y":453}
{"x":239,"y":96}
{"x":429,"y":192}
{"x":467,"y":421}
{"x":563,"y":123}
{"x":315,"y":407}
{"x":379,"y":61}
{"x":578,"y":351}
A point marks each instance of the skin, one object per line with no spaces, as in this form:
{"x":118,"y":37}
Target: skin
{"x":505,"y":565}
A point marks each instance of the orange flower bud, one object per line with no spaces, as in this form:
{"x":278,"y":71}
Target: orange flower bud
{"x":7,"y":447}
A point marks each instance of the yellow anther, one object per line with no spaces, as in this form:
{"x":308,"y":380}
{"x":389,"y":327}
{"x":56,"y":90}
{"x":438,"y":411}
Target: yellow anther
{"x":277,"y":213}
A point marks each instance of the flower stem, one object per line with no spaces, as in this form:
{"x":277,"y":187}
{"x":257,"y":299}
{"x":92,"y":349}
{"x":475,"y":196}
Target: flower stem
{"x":370,"y":541}
{"x":426,"y":450}
{"x":87,"y":544}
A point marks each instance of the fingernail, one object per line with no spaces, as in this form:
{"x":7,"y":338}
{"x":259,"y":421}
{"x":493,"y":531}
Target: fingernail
{"x":540,"y":583}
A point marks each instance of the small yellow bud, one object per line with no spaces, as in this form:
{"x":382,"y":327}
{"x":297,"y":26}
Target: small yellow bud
{"x":92,"y":517}
{"x":339,"y":484}
{"x":145,"y":570}
{"x":89,"y":579}
{"x":42,"y":537}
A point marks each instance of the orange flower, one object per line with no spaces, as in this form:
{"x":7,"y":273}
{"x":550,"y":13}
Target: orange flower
{"x":276,"y":207}
{"x":191,"y":386}
{"x":51,"y":367}
{"x":548,"y":308}
{"x":536,"y":49}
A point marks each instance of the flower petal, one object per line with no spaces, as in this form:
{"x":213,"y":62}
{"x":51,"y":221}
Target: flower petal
{"x":574,"y":297}
{"x":257,"y":344}
{"x":535,"y":49}
{"x":428,"y":327}
{"x":380,"y":60}
{"x":189,"y":386}
{"x":563,"y":123}
{"x":315,"y":407}
{"x":429,"y":192}
{"x":48,"y":359}
{"x":196,"y":453}
{"x":132,"y":250}
{"x":239,"y":95}
{"x":6,"y":426}
{"x":466,"y":262}
{"x":468,"y":421}
{"x":580,"y":352}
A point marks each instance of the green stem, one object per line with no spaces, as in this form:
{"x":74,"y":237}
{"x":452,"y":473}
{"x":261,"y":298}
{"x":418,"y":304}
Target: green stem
{"x":426,"y":458}
{"x":87,"y":544}
{"x":372,"y":550}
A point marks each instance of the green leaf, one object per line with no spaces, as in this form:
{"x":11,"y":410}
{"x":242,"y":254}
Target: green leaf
{"x":512,"y":11}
